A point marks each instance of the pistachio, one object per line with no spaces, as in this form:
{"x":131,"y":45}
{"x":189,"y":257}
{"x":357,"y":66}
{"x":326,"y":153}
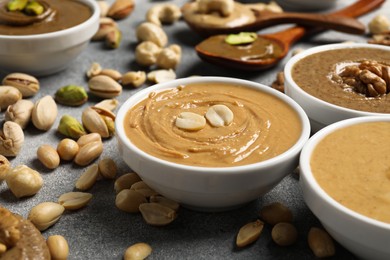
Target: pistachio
{"x":107,"y":168}
{"x":113,"y":38}
{"x":34,"y":8}
{"x":88,"y":178}
{"x":16,"y":5}
{"x":70,"y":127}
{"x":114,"y":74}
{"x":94,"y":70}
{"x":5,"y":166}
{"x":98,"y":120}
{"x":45,"y":214}
{"x":9,"y":96}
{"x":120,"y":9}
{"x":108,"y":104}
{"x":20,"y":112}
{"x":58,"y":247}
{"x":11,"y":139}
{"x":24,"y":181}
{"x":103,"y":7}
{"x":44,"y":113}
{"x":26,"y":84}
{"x":71,"y":95}
{"x":129,"y":200}
{"x":156,"y":214}
{"x":138,"y":251}
{"x":241,"y":38}
{"x":134,"y":78}
{"x":89,"y":138}
{"x":88,"y":153}
{"x":67,"y":149}
{"x":104,"y":86}
{"x":48,"y":156}
{"x":74,"y":200}
{"x":106,"y":25}
{"x":249,"y":233}
{"x":126,"y":181}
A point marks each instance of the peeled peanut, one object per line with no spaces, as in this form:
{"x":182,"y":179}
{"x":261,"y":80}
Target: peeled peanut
{"x":190,"y":121}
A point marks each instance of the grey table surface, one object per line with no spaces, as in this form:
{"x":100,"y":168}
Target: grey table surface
{"x":101,"y":231}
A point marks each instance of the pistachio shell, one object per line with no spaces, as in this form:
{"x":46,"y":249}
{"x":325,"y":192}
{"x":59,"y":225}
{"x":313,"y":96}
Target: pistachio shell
{"x":44,"y":113}
{"x":104,"y":86}
{"x":120,"y":9}
{"x":98,"y":120}
{"x":9,"y":96}
{"x":26,"y":84}
{"x":11,"y":139}
{"x":20,"y":112}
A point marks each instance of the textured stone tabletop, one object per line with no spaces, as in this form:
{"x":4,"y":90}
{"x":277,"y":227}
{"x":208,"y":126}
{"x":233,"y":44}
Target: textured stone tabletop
{"x":101,"y":231}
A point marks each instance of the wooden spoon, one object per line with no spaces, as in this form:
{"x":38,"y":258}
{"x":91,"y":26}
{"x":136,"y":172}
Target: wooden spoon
{"x":247,"y":18}
{"x":281,"y":40}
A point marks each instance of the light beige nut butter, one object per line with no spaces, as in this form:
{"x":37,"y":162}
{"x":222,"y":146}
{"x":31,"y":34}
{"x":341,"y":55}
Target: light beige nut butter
{"x":352,"y":165}
{"x":263,"y":126}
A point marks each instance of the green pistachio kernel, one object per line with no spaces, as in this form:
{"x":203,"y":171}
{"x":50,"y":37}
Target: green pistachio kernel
{"x":71,"y":95}
{"x":34,"y":8}
{"x":113,"y":39}
{"x":16,"y":5}
{"x":109,"y":123}
{"x":241,"y":38}
{"x":69,"y":126}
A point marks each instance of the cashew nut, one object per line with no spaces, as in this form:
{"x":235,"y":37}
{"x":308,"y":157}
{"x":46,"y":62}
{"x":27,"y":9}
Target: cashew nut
{"x":169,"y":57}
{"x":146,"y":53}
{"x":271,"y":7}
{"x":159,"y":76}
{"x":223,"y":7}
{"x":379,"y":24}
{"x":150,"y":32}
{"x":163,"y":13}
{"x":134,"y":78}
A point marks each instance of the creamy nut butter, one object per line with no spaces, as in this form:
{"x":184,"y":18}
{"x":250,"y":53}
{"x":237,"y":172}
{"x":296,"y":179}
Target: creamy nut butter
{"x":352,"y":165}
{"x":263,"y":126}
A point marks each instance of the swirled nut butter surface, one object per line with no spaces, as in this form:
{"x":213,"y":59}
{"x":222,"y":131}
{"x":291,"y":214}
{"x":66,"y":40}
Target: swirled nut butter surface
{"x":356,"y":78}
{"x":50,"y":16}
{"x":352,"y":165}
{"x":255,"y":126}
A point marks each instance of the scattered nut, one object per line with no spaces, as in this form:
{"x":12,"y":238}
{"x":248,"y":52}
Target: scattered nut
{"x":71,"y":95}
{"x":5,"y":166}
{"x":24,"y":181}
{"x":126,"y":181}
{"x":321,"y":243}
{"x":146,"y":53}
{"x":275,"y":213}
{"x":48,"y":156}
{"x":129,"y":200}
{"x":169,"y":57}
{"x":94,"y":70}
{"x":108,"y":104}
{"x":88,"y":178}
{"x":159,"y":76}
{"x":58,"y":247}
{"x":138,"y":251}
{"x":150,"y":32}
{"x":45,"y":214}
{"x":278,"y":84}
{"x":284,"y":234}
{"x":219,"y":115}
{"x":114,"y":74}
{"x":143,"y":188}
{"x":20,"y":112}
{"x":163,"y":13}
{"x":106,"y":25}
{"x":99,"y":120}
{"x":107,"y":168}
{"x":223,"y":7}
{"x":27,"y":85}
{"x":103,"y":7}
{"x":74,"y":200}
{"x":190,"y":121}
{"x":156,"y":214}
{"x":11,"y":139}
{"x":113,"y":38}
{"x":120,"y":9}
{"x":44,"y":113}
{"x":88,"y":153}
{"x":249,"y":233}
{"x":165,"y":202}
{"x":89,"y":138}
{"x":9,"y":96}
{"x":104,"y":86}
{"x":70,"y":127}
{"x":379,"y":24}
{"x":67,"y":149}
{"x":134,"y":78}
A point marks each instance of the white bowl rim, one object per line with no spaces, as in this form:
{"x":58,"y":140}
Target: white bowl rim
{"x":334,"y":46}
{"x":305,"y":169}
{"x":95,"y":16}
{"x":234,"y":169}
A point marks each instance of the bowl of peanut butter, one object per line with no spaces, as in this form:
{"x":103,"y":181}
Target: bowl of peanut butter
{"x":345,"y":181}
{"x":339,"y":81}
{"x":211,"y":143}
{"x":43,"y":37}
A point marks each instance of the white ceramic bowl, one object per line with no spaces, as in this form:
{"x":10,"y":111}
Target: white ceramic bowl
{"x":366,"y":237}
{"x":322,"y":113}
{"x":47,"y":53}
{"x":307,"y":5}
{"x":208,"y":188}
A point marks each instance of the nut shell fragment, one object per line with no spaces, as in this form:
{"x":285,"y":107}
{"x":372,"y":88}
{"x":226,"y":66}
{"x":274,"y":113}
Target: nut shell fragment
{"x":11,"y":139}
{"x":27,"y":85}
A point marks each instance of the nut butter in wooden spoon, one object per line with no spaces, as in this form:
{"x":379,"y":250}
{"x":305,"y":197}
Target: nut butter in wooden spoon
{"x":268,"y":49}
